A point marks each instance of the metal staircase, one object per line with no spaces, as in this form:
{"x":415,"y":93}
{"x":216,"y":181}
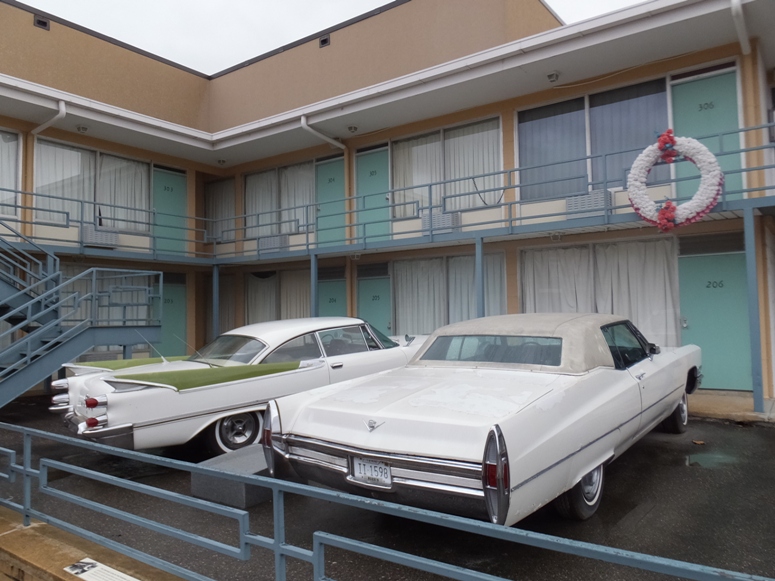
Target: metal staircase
{"x":47,"y":320}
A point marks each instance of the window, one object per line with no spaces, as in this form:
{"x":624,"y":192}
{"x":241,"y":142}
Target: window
{"x":343,"y":341}
{"x":298,"y":349}
{"x":458,"y":154}
{"x":9,"y":172}
{"x":626,"y":348}
{"x":280,"y":201}
{"x":553,"y":140}
{"x":229,"y":349}
{"x":87,"y":186}
{"x":220,"y":210}
{"x":496,"y":349}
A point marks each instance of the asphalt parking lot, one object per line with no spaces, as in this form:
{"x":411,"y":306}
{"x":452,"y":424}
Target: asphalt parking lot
{"x":702,"y":497}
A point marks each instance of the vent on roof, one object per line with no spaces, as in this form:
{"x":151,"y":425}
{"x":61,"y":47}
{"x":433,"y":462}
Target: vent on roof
{"x":42,"y":22}
{"x":325,"y":40}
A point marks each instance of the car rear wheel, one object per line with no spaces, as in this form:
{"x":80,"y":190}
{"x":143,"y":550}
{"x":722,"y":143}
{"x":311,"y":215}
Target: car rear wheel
{"x":581,"y":501}
{"x":676,"y":422}
{"x":234,"y":432}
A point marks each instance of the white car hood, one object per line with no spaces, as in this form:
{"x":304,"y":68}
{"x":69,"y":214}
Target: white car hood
{"x":441,"y":413}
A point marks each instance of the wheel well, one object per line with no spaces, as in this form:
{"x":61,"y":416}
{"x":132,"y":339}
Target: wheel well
{"x":692,"y":380}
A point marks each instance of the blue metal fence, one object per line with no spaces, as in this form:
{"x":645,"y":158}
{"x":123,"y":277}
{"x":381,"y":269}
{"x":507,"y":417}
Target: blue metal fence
{"x":18,"y":465}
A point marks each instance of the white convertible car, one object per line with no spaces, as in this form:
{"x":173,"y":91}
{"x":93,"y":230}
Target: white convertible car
{"x":223,"y":389}
{"x":492,"y":418}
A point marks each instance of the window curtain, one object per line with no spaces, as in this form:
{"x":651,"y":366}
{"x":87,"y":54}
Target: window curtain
{"x":549,"y":136}
{"x":639,"y":280}
{"x":416,"y":161}
{"x":461,"y":282}
{"x":297,"y":197}
{"x":123,"y":193}
{"x":260,"y":297}
{"x":261,"y":204}
{"x":9,"y":172}
{"x":68,"y":174}
{"x":295,"y":294}
{"x":220,"y":210}
{"x":558,"y":280}
{"x":630,"y":118}
{"x":469,"y":151}
{"x":420,"y":291}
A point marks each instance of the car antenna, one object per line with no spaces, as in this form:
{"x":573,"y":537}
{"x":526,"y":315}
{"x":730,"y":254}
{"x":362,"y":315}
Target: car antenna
{"x":151,"y":346}
{"x":194,"y":350}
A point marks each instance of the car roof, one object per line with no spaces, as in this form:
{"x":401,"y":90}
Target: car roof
{"x":583,"y":345}
{"x":274,"y":333}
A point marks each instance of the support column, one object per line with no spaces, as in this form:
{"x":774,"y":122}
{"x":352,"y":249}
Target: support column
{"x":216,"y":301}
{"x":753,"y":309}
{"x":313,"y":281}
{"x":479,"y":277}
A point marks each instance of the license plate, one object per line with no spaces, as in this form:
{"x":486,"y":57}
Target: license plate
{"x":371,"y":472}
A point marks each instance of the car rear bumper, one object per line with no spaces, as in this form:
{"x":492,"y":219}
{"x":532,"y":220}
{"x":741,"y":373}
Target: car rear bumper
{"x":118,"y":436}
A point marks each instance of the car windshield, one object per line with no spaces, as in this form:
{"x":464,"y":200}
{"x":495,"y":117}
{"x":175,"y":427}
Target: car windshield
{"x":496,"y":349}
{"x":386,"y":341}
{"x":229,"y":350}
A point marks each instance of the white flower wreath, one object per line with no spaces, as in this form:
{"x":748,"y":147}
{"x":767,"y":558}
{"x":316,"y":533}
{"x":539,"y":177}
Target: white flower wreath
{"x":669,"y":216}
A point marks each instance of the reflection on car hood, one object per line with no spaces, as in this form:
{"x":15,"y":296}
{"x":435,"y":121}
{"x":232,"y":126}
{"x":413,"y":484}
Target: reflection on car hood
{"x":430,"y":412}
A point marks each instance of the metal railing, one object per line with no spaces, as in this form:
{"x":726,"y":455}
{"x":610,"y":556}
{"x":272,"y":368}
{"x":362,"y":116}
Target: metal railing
{"x":506,"y":202}
{"x":24,"y":488}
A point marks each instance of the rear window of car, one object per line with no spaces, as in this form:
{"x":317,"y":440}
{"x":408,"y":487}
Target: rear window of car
{"x":230,"y":350}
{"x":526,"y":350}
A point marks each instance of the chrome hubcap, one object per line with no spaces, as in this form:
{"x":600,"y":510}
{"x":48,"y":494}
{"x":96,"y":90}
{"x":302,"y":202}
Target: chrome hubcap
{"x":590,"y":485}
{"x":683,"y":409}
{"x":237,"y":430}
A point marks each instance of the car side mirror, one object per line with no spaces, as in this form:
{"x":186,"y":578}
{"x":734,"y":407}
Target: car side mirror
{"x":654,"y":349}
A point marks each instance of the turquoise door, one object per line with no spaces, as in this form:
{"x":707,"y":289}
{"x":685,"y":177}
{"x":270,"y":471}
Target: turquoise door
{"x":372,"y":182}
{"x":374,"y":303}
{"x":332,"y":298}
{"x":706,"y":107}
{"x":169,"y":201}
{"x":173,"y":320}
{"x":714,"y":315}
{"x":329,"y":180}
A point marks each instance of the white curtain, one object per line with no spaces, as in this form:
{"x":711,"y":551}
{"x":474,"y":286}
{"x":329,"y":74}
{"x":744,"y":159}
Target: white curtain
{"x":297,"y":195}
{"x":123,"y":193}
{"x":261,"y":204}
{"x":9,"y":172}
{"x":472,"y":150}
{"x":294,"y":294}
{"x":420,"y":291}
{"x":67,"y":173}
{"x":461,"y":282}
{"x":220,"y":209}
{"x":639,"y":280}
{"x":260,"y":298}
{"x":558,"y":280}
{"x":416,"y":161}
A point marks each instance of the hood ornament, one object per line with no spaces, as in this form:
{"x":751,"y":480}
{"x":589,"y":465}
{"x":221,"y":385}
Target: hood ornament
{"x":372,"y":425}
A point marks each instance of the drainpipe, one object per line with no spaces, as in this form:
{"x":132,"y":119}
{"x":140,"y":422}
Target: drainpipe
{"x":317,"y":133}
{"x":742,"y":32}
{"x":60,"y":114}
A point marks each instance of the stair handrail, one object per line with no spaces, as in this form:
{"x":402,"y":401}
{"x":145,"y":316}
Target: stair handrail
{"x":29,"y":257}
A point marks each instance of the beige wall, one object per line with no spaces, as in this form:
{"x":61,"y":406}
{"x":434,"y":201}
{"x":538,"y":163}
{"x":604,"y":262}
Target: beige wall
{"x":66,"y":59}
{"x":405,"y":39}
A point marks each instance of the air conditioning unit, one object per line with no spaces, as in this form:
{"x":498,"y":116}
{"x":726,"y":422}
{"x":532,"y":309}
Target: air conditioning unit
{"x":442,"y":222}
{"x":596,"y":201}
{"x":273,"y":243}
{"x":93,"y":236}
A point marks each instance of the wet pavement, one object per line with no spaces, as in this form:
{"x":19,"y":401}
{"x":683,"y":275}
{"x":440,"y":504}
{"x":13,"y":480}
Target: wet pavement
{"x":703,"y":497}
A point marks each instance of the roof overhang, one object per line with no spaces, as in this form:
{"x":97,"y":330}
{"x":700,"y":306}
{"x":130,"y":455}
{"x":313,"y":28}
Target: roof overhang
{"x":648,"y":32}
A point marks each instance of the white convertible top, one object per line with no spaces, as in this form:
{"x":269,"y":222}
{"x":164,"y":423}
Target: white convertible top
{"x":583,"y":345}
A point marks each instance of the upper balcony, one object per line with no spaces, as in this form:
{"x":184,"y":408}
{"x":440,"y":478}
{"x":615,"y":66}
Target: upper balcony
{"x":586,"y":194}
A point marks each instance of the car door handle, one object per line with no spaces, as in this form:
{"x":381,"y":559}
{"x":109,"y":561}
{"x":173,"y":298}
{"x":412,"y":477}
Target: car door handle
{"x":337,"y":365}
{"x":640,"y":376}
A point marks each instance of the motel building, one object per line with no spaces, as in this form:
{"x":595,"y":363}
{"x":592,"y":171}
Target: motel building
{"x":428,"y":162}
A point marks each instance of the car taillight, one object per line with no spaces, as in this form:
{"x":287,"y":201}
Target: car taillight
{"x":496,"y":481}
{"x":95,"y":402}
{"x":96,"y":422}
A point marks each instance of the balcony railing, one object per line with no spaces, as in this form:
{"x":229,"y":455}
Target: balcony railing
{"x":587,"y":192}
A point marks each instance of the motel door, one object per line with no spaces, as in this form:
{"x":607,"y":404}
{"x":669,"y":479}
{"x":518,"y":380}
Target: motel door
{"x":332,"y":298}
{"x":329,"y":180}
{"x":372,"y":175}
{"x":714,"y":315}
{"x":169,"y":202}
{"x":374,"y":303}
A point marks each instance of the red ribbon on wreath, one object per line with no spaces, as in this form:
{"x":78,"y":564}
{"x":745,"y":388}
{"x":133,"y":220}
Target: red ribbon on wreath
{"x":666,"y":217}
{"x":666,"y":144}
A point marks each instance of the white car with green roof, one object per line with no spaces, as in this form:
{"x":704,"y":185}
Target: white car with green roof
{"x":222,"y":390}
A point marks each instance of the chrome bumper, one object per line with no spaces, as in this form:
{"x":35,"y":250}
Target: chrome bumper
{"x":118,"y":436}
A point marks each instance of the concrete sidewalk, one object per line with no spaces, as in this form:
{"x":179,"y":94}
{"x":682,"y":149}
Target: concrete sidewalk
{"x":736,"y":406}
